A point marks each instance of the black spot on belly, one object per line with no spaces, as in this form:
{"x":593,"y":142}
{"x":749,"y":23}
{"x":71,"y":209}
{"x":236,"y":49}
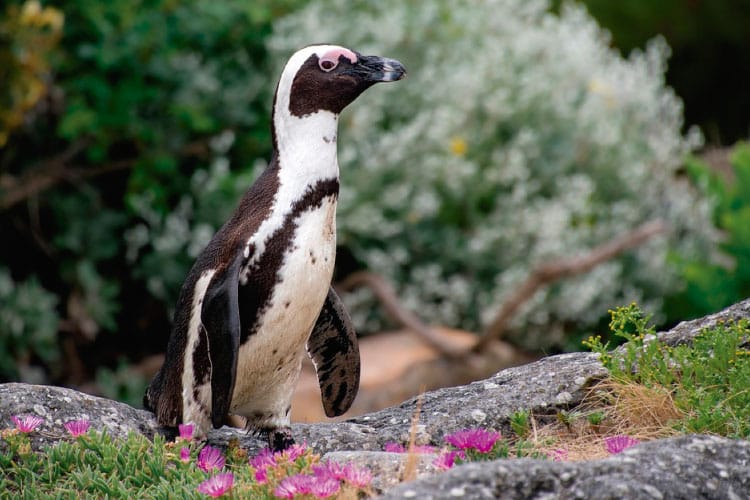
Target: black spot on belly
{"x":263,"y":275}
{"x":286,"y":306}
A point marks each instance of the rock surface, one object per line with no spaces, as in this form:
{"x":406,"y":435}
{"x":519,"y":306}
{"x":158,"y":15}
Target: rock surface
{"x":685,"y":467}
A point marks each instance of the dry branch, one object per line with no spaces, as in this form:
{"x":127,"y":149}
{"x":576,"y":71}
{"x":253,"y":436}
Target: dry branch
{"x":385,"y":293}
{"x":564,"y":268}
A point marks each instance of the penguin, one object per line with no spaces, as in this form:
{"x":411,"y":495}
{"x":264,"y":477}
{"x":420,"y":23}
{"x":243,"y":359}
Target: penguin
{"x":259,"y":295}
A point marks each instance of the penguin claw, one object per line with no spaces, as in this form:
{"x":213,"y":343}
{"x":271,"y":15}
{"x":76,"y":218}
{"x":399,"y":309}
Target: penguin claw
{"x":280,"y":439}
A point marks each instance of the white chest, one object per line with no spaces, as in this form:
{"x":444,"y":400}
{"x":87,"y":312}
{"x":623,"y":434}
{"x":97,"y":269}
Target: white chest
{"x":269,"y":362}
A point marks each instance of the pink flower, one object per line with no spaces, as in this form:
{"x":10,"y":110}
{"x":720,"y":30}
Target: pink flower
{"x":210,"y":458}
{"x":558,"y":455}
{"x":261,"y":475}
{"x":324,"y":487}
{"x":394,"y":447}
{"x":186,"y":431}
{"x":77,"y":427}
{"x":357,"y":476}
{"x":616,"y":444}
{"x":185,"y":454}
{"x":27,"y":423}
{"x":330,"y":469}
{"x":448,"y":459}
{"x":298,"y":484}
{"x":479,"y":439}
{"x":217,"y":485}
{"x":263,"y":459}
{"x":292,"y":453}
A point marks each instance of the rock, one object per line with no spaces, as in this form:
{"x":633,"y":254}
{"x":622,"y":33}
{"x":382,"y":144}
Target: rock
{"x":686,"y":331}
{"x":706,"y":467}
{"x":58,"y":405}
{"x":387,"y":468}
{"x":668,"y":468}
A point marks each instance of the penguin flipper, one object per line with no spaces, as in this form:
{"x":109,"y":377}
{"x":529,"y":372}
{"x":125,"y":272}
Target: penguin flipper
{"x":220,"y":315}
{"x":334,"y":351}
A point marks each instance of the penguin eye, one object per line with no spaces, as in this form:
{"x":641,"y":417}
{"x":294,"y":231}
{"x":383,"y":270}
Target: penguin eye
{"x":327,"y":64}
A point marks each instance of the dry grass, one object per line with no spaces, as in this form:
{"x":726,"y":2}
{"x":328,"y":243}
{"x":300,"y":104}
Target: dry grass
{"x":644,"y":413}
{"x":412,"y":458}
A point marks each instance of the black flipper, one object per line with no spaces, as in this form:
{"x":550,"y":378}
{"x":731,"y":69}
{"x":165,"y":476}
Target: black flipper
{"x":334,"y":351}
{"x":220,"y":315}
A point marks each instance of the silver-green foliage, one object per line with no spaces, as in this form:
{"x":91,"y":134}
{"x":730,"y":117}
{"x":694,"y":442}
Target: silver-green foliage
{"x":28,"y":327}
{"x":517,"y":137}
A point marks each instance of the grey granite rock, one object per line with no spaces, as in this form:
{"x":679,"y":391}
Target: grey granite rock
{"x":687,"y":467}
{"x":387,"y":469}
{"x":684,"y":332}
{"x":58,"y":405}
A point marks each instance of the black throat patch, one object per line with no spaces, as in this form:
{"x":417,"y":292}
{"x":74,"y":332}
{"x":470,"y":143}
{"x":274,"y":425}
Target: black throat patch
{"x":263,"y":275}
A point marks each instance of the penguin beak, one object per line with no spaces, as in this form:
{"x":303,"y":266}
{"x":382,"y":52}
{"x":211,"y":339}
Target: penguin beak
{"x":375,"y":69}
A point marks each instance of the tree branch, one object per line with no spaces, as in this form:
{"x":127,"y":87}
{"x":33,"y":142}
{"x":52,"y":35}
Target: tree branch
{"x":385,"y":293}
{"x":563,"y":268}
{"x":39,"y":178}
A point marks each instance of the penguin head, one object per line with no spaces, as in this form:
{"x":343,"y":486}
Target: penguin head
{"x":329,"y":77}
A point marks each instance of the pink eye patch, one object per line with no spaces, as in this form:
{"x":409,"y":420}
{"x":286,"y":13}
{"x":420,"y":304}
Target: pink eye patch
{"x":334,"y":54}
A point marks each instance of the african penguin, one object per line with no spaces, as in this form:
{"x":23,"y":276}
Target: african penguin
{"x":260,"y":293}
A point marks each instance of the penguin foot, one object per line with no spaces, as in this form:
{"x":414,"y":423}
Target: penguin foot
{"x":279,"y":439}
{"x":168,"y":433}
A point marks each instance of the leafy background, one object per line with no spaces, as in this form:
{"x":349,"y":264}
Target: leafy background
{"x":129,"y":129}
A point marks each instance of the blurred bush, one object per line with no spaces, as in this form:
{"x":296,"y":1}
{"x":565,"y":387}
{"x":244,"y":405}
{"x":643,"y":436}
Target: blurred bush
{"x":723,"y":278}
{"x":28,"y":33}
{"x":517,"y":137}
{"x":119,"y":127}
{"x":28,"y":329}
{"x":709,"y":68}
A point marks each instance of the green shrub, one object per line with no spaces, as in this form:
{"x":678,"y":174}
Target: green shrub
{"x":517,"y":137}
{"x":708,"y":379}
{"x":722,"y":278}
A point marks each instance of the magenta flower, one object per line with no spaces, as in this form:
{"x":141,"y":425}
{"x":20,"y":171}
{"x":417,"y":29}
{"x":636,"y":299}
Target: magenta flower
{"x":185,"y":454}
{"x":292,"y":453}
{"x":448,"y":459}
{"x":217,"y":485}
{"x":324,"y":487}
{"x":558,"y":455}
{"x":330,"y":469}
{"x":77,"y":427}
{"x":210,"y":458}
{"x":616,"y":444}
{"x":479,"y":439}
{"x":265,"y":458}
{"x":298,"y":484}
{"x":186,"y":431}
{"x":261,"y":475}
{"x":27,"y":423}
{"x":357,"y":476}
{"x":392,"y":447}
